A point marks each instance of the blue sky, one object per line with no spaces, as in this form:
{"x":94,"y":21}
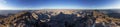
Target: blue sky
{"x":59,"y":4}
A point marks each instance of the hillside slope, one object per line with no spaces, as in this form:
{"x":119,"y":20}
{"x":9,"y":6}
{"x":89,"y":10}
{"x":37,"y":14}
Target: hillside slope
{"x":60,"y":18}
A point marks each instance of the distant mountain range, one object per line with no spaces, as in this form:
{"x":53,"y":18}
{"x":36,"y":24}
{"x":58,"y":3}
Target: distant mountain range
{"x":61,"y":18}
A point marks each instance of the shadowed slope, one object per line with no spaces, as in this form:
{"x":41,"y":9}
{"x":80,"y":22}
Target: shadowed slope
{"x":60,"y":18}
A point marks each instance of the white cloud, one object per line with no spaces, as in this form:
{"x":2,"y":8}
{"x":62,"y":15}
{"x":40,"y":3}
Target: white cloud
{"x":2,"y":5}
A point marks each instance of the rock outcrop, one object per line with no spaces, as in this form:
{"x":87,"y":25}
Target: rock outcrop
{"x":59,"y":18}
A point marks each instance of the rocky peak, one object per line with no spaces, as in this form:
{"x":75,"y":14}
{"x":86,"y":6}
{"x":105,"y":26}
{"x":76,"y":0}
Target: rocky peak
{"x":59,"y":18}
{"x":17,"y":20}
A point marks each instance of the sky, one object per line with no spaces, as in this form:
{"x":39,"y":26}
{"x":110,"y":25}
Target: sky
{"x":58,"y":4}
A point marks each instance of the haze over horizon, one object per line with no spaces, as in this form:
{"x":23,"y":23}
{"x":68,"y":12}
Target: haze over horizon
{"x":6,"y":12}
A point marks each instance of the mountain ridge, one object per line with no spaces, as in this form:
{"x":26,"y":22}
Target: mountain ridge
{"x":71,"y":19}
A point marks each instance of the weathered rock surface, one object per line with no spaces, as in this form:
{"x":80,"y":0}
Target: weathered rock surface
{"x":60,"y":18}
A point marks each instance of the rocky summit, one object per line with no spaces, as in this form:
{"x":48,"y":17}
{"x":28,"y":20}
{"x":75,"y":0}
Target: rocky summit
{"x":60,"y":18}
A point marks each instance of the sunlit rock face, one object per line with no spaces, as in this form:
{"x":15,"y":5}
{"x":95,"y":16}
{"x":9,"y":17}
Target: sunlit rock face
{"x":76,"y":18}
